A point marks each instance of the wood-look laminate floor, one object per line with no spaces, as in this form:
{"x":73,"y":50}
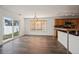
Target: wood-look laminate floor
{"x":33,"y":45}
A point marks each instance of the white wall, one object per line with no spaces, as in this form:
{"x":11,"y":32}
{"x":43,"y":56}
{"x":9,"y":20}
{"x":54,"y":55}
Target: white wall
{"x":21,"y":23}
{"x":1,"y":30}
{"x":50,"y":27}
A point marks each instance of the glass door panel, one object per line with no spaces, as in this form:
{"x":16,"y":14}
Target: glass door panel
{"x":16,"y":27}
{"x":7,"y":28}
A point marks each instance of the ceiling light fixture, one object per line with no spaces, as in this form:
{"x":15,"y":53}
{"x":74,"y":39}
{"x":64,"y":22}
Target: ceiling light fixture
{"x":35,"y":16}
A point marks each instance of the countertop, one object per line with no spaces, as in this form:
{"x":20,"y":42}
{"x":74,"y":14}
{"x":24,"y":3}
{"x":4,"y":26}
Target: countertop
{"x":67,"y":29}
{"x":72,"y":31}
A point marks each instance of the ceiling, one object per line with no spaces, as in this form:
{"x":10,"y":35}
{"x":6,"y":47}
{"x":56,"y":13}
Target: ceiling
{"x":42,"y":10}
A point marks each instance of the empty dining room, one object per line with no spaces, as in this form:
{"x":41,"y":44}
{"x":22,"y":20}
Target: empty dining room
{"x":39,"y":29}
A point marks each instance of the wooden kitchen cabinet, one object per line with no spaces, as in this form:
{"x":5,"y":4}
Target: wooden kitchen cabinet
{"x":59,"y":22}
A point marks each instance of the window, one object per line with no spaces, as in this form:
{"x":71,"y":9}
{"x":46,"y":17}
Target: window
{"x":38,"y":25}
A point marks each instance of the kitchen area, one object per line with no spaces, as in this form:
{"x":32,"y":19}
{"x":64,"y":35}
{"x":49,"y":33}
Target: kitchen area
{"x":67,"y":33}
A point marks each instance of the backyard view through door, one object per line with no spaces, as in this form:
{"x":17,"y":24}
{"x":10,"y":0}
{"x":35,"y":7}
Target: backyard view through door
{"x":11,"y":28}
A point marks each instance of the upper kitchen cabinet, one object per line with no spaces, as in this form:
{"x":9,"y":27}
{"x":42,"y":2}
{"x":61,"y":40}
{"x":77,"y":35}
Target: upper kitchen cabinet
{"x":59,"y":22}
{"x":67,"y":22}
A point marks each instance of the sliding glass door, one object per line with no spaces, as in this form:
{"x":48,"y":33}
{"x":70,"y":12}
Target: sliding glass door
{"x":11,"y":28}
{"x":7,"y":28}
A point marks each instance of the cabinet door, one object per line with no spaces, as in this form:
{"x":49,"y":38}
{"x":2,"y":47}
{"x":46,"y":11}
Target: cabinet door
{"x":73,"y":44}
{"x":62,"y":38}
{"x":59,"y":22}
